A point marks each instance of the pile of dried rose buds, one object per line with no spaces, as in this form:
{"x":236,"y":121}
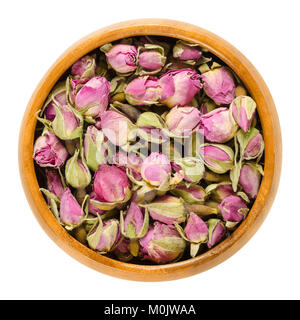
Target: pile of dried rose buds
{"x":149,"y":149}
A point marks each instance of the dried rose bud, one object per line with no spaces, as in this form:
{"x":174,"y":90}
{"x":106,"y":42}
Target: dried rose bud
{"x":249,"y":179}
{"x":144,"y":90}
{"x":243,"y":111}
{"x":220,"y":191}
{"x":116,"y":127}
{"x":233,"y":209}
{"x":48,"y":151}
{"x":77,"y":172}
{"x":132,"y":161}
{"x":167,"y":209}
{"x":191,"y":168}
{"x":216,"y":232}
{"x":254,"y":147}
{"x":186,"y":51}
{"x":122,"y":58}
{"x":95,"y":150}
{"x":104,"y":235}
{"x":179,"y":87}
{"x":92,"y":207}
{"x":219,"y":85}
{"x":183,"y":120}
{"x":162,"y":243}
{"x":196,"y":229}
{"x":111,"y":184}
{"x":58,"y":98}
{"x":70,"y":212}
{"x":93,"y":97}
{"x":217,"y":157}
{"x":156,"y":169}
{"x":136,"y":222}
{"x":54,"y":183}
{"x":84,"y":67}
{"x":218,"y":125}
{"x":152,"y":60}
{"x":191,"y":194}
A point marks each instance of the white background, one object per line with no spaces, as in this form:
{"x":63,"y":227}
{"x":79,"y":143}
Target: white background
{"x":34,"y":34}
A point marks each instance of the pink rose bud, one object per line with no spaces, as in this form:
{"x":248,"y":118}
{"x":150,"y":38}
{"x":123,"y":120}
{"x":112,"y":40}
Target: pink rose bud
{"x":216,"y":232}
{"x":179,"y":87}
{"x":92,"y":99}
{"x":95,"y":149}
{"x":196,"y":229}
{"x":77,"y":172}
{"x":48,"y":151}
{"x":156,"y":169}
{"x":254,"y":147}
{"x":183,"y":120}
{"x":217,"y":157}
{"x":162,"y":243}
{"x":84,"y":68}
{"x":218,"y":125}
{"x":167,"y":209}
{"x":220,"y":191}
{"x":219,"y":85}
{"x":116,"y":127}
{"x":186,"y":51}
{"x":54,"y":184}
{"x":58,"y":98}
{"x":122,"y":58}
{"x":191,"y":195}
{"x":249,"y":179}
{"x":70,"y":212}
{"x":243,"y":111}
{"x":233,"y":209}
{"x":132,"y":161}
{"x":151,"y":60}
{"x":92,"y":208}
{"x":144,"y":90}
{"x":136,"y":223}
{"x":111,"y":184}
{"x":104,"y":236}
{"x":191,"y":168}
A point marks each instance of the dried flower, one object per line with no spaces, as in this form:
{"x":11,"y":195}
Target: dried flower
{"x":249,"y":179}
{"x":216,"y":232}
{"x":190,"y":194}
{"x":84,"y":67}
{"x":233,"y":209}
{"x":186,"y":51}
{"x":122,"y":58}
{"x":243,"y":111}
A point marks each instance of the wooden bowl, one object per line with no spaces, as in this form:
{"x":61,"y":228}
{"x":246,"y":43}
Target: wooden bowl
{"x":270,"y":125}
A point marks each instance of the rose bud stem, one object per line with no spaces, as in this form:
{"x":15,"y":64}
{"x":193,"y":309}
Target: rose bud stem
{"x":214,"y":177}
{"x":130,"y":111}
{"x":202,"y":210}
{"x":134,"y":247}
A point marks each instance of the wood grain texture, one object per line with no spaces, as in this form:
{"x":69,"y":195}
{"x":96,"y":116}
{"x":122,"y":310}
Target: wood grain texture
{"x":270,"y":125}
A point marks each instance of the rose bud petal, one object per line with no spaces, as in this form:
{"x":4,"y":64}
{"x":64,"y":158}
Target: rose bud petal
{"x":192,"y":168}
{"x":183,"y":120}
{"x":151,"y":60}
{"x":186,"y":51}
{"x":54,"y":184}
{"x":92,"y":208}
{"x":111,"y":184}
{"x":218,"y":125}
{"x":156,"y":168}
{"x":207,"y":106}
{"x":95,"y":150}
{"x":104,"y":236}
{"x":77,"y":172}
{"x":167,"y":209}
{"x":70,"y":212}
{"x":116,"y":127}
{"x":219,"y":85}
{"x":179,"y":87}
{"x":143,"y":90}
{"x":217,"y":157}
{"x":84,"y":67}
{"x":92,"y":99}
{"x":132,"y":161}
{"x":122,"y":58}
{"x":48,"y":151}
{"x":192,"y":194}
{"x":233,"y":209}
{"x":196,"y":229}
{"x":216,"y":232}
{"x":162,"y":243}
{"x":136,"y":223}
{"x":219,"y":191}
{"x":243,"y":111}
{"x":254,"y":147}
{"x":249,"y":179}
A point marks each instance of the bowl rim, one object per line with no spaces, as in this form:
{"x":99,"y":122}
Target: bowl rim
{"x":270,"y":127}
